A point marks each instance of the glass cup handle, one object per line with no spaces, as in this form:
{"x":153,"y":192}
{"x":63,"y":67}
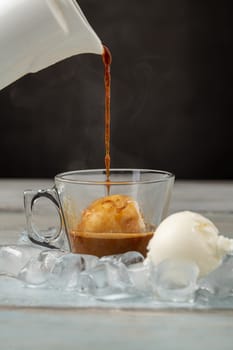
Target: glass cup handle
{"x":36,"y":236}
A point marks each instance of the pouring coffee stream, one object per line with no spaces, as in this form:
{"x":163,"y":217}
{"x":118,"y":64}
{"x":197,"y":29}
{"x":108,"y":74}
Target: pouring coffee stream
{"x":107,"y":60}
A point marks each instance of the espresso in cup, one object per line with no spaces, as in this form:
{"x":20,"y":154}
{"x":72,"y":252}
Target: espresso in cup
{"x":111,"y":225}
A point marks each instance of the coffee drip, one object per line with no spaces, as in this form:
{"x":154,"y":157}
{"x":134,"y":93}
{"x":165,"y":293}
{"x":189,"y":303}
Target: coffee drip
{"x":107,"y":60}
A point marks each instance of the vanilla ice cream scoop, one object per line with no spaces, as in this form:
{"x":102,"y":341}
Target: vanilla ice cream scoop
{"x":189,"y":236}
{"x":116,"y":213}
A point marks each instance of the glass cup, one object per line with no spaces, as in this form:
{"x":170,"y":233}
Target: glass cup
{"x":101,"y":218}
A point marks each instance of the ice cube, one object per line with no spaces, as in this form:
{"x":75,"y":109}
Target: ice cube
{"x":14,"y":257}
{"x":140,"y":277}
{"x":49,"y":258}
{"x":175,"y":280}
{"x":67,"y":268}
{"x":56,"y":269}
{"x":99,"y":275}
{"x":106,"y":281}
{"x":66,"y":271}
{"x":86,"y":284}
{"x":127,"y":259}
{"x":38,"y":269}
{"x":118,"y":276}
{"x":34,"y":273}
{"x":220,"y":281}
{"x":90,"y":261}
{"x":109,"y":279}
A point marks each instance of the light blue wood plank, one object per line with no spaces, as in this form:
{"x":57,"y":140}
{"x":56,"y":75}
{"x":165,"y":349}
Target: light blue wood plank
{"x":56,"y":329}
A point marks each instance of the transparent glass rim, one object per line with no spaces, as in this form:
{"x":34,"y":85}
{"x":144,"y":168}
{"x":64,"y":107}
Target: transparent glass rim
{"x":165,"y":176}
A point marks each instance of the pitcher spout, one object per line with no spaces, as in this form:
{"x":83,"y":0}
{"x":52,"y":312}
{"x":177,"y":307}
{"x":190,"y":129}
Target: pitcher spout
{"x":47,"y":32}
{"x":72,"y":21}
{"x":78,"y":36}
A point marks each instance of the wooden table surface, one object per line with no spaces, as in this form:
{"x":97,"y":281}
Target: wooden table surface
{"x":24,"y":327}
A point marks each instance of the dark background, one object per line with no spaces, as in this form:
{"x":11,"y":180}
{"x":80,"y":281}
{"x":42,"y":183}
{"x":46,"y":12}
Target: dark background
{"x":171,"y":96}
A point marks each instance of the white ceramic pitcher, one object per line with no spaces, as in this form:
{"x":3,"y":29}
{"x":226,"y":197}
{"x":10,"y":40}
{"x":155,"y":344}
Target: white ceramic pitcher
{"x":35,"y":34}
